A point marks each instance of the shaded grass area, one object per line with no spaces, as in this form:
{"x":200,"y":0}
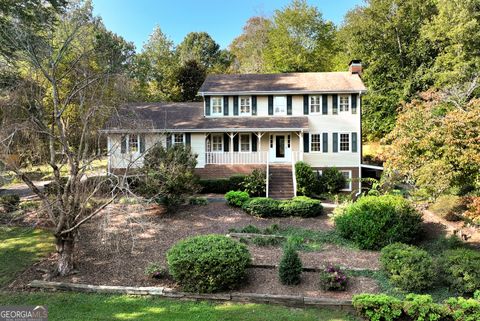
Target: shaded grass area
{"x":20,"y":247}
{"x":81,"y":306}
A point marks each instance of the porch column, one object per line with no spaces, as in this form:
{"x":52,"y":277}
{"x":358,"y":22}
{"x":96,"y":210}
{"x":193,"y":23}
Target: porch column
{"x":231,"y":147}
{"x":259,"y":145}
{"x":301,"y":145}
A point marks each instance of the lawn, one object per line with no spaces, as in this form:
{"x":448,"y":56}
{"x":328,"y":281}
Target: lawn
{"x":20,"y":247}
{"x":79,"y":306}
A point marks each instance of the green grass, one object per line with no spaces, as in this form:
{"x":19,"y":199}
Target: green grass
{"x":81,"y":306}
{"x":20,"y":247}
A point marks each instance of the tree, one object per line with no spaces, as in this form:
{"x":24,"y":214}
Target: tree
{"x":248,"y":48}
{"x":70,"y":71}
{"x":299,"y":40}
{"x":190,"y":77}
{"x":199,"y":46}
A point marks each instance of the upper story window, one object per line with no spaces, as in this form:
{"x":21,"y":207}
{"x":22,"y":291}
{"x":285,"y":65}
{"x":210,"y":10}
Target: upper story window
{"x":280,"y":105}
{"x":315,"y":142}
{"x":344,"y":142}
{"x":344,"y":103}
{"x":217,"y":143}
{"x":315,"y":104}
{"x":244,"y":142}
{"x":178,"y":139}
{"x":217,"y":105}
{"x":245,"y":105}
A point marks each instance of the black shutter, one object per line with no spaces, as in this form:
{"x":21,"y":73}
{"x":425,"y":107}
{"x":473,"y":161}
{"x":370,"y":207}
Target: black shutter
{"x":207,"y":105}
{"x":335,"y":142}
{"x":270,"y":105}
{"x":123,"y":148}
{"x":235,"y":105}
{"x":305,"y":104}
{"x":354,"y":142}
{"x":254,"y":142}
{"x":289,"y":104}
{"x":169,"y":140}
{"x":254,"y":105}
{"x":142,"y":143}
{"x":235,"y":143}
{"x":354,"y":103}
{"x":306,"y":142}
{"x":324,"y":104}
{"x":225,"y":105}
{"x":335,"y":104}
{"x":325,"y":142}
{"x":226,"y":142}
{"x":188,"y":139}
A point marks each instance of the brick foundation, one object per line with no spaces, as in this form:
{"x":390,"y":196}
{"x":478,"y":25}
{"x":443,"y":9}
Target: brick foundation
{"x":224,"y":171}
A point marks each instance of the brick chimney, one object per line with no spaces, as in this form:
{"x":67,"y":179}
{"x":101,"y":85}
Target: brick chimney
{"x":355,"y":67}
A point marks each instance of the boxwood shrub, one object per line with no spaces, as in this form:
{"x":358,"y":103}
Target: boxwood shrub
{"x":373,"y":222}
{"x":208,"y":263}
{"x":237,"y":198}
{"x":301,"y":206}
{"x":10,"y":202}
{"x":263,"y":207}
{"x":221,"y":185}
{"x":408,"y":267}
{"x":461,"y":270}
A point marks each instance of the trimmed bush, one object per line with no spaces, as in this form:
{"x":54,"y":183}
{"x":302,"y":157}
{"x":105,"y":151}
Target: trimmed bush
{"x":198,"y":201}
{"x":449,"y":207}
{"x":464,"y":309}
{"x":461,"y":270}
{"x":237,"y":198}
{"x":331,"y":180}
{"x":422,"y":307}
{"x":10,"y":202}
{"x":332,"y":278}
{"x":373,"y":222}
{"x":263,"y":207}
{"x":379,"y":307}
{"x":290,"y":269}
{"x":301,"y":206}
{"x":208,"y":263}
{"x":306,"y":178}
{"x":255,"y":184}
{"x":408,"y":267}
{"x":221,"y":185}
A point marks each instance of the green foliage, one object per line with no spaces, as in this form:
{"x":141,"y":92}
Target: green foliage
{"x":301,"y":206}
{"x":266,"y":241}
{"x":169,"y":174}
{"x":422,"y":308}
{"x":208,"y":263}
{"x":263,"y":207}
{"x":464,"y":309}
{"x":237,"y":198}
{"x":332,"y":278}
{"x":190,"y":76}
{"x":199,"y":47}
{"x":449,"y":207}
{"x":460,"y":269}
{"x":378,"y":307}
{"x":247,"y":229}
{"x":290,"y":269}
{"x":255,"y":184}
{"x":10,"y":202}
{"x":375,"y":221}
{"x":306,"y":178}
{"x":331,"y":180}
{"x":198,"y":201}
{"x":222,"y":185}
{"x":408,"y":267}
{"x":156,"y":270}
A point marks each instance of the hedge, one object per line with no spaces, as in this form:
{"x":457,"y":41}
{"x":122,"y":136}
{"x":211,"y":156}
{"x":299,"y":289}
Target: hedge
{"x":221,"y":185}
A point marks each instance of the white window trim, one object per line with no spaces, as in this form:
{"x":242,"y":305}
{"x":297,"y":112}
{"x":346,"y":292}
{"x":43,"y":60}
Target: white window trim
{"x":127,"y":138}
{"x":221,"y":140}
{"x":320,"y":142}
{"x":349,"y":142}
{"x":173,"y":139}
{"x":240,"y":142}
{"x":349,"y":189}
{"x":240,"y":106}
{"x":310,"y":105}
{"x":349,"y":105}
{"x":283,"y":113}
{"x":211,"y":106}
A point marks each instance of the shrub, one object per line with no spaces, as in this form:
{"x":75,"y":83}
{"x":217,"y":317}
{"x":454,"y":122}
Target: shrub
{"x":375,"y":221}
{"x":221,"y":185}
{"x":408,"y":267}
{"x":331,"y":180}
{"x":460,"y":268}
{"x":306,"y":178}
{"x":332,"y":278}
{"x":156,"y":270}
{"x":301,"y":206}
{"x":380,"y":307}
{"x":462,"y":309}
{"x":422,"y":307}
{"x":472,"y":213}
{"x":10,"y":202}
{"x":208,"y":263}
{"x":266,"y":241}
{"x":198,"y":201}
{"x":236,"y":198}
{"x":448,"y":207}
{"x":290,"y":269}
{"x":255,"y":184}
{"x":263,"y":207}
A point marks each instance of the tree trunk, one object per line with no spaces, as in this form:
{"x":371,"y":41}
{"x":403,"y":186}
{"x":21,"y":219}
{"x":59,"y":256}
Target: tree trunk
{"x":65,"y":261}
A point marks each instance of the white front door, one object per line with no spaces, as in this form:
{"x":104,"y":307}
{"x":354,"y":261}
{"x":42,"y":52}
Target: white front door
{"x":280,"y":148}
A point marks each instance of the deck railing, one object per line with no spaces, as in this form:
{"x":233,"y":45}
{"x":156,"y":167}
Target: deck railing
{"x":236,"y":158}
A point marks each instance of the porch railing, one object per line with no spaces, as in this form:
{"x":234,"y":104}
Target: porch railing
{"x":236,"y":158}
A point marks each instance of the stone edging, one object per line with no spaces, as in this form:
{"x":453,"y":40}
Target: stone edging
{"x":288,"y":300}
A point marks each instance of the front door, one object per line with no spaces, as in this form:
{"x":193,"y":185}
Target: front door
{"x":279,"y":147}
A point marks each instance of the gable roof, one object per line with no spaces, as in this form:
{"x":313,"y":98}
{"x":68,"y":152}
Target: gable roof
{"x":171,"y":117}
{"x":304,"y":82}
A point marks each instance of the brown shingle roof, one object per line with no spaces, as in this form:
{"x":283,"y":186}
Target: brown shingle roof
{"x":189,"y":116}
{"x":299,"y":82}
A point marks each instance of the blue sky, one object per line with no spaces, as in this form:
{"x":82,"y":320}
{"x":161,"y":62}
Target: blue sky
{"x":222,"y":19}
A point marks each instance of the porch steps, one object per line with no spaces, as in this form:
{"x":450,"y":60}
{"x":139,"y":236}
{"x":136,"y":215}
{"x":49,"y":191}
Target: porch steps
{"x":280,"y":185}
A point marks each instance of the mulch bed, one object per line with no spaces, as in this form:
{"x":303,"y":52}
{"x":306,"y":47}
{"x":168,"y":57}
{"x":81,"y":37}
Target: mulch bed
{"x":115,"y":248}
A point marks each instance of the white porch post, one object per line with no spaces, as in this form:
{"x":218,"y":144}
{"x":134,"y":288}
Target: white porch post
{"x":301,"y":145}
{"x":231,"y":147}
{"x":259,"y":145}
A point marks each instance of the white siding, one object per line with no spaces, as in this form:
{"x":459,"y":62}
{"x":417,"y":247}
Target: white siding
{"x":198,"y":147}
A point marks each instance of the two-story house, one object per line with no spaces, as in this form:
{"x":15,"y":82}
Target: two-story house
{"x":249,"y":121}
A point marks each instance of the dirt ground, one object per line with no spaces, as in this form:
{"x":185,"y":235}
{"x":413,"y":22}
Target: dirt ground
{"x":115,"y":248}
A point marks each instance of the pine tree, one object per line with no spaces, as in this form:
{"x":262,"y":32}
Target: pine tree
{"x":290,"y":267}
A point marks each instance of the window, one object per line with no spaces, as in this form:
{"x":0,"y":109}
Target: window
{"x":315,"y":104}
{"x":133,"y":143}
{"x":344,"y":103}
{"x":177,"y":139}
{"x":217,"y":105}
{"x":315,"y":142}
{"x":244,"y":142}
{"x":217,"y":143}
{"x":348,"y":180}
{"x":245,"y":105}
{"x":344,"y":142}
{"x":280,"y":105}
